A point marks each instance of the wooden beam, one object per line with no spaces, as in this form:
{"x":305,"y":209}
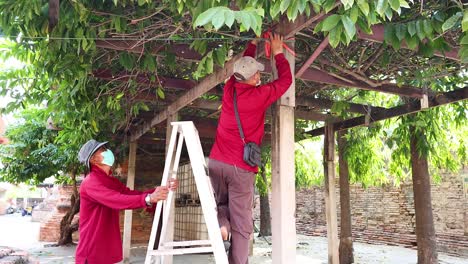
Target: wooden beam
{"x":328,"y":104}
{"x":127,"y":233}
{"x":283,"y":196}
{"x":315,"y":116}
{"x":330,"y":194}
{"x":182,"y":51}
{"x":205,"y":85}
{"x":144,"y":79}
{"x":377,"y":35}
{"x":304,"y":115}
{"x":312,"y":58}
{"x":320,"y":76}
{"x":413,"y":107}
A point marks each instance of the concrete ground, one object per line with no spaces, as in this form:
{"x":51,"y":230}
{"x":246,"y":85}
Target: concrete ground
{"x":19,"y":232}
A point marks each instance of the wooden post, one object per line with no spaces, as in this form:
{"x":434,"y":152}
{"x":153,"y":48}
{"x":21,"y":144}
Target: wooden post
{"x":127,"y":234}
{"x":330,"y":196}
{"x":171,"y":220}
{"x":346,"y":234}
{"x":283,"y":171}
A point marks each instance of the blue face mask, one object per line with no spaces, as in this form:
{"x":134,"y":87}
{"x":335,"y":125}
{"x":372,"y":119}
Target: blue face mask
{"x":108,"y":157}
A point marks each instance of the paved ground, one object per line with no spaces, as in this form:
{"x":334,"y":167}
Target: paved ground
{"x":19,"y":232}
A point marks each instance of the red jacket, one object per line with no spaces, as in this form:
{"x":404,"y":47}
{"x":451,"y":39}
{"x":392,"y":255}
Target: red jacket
{"x":101,"y":198}
{"x":252,"y":103}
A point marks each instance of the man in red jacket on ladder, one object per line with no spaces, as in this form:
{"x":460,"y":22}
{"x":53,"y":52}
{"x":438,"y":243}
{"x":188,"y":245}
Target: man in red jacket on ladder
{"x":232,"y":178}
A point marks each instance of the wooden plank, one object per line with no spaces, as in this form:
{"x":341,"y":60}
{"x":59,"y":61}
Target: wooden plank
{"x":328,"y":104}
{"x":414,"y":106}
{"x":320,"y":76}
{"x":330,"y":195}
{"x":144,"y":79}
{"x":202,"y":87}
{"x":378,"y":36}
{"x":209,"y":82}
{"x":315,"y":116}
{"x":127,"y":232}
{"x":312,"y":58}
{"x":283,"y":168}
{"x":180,"y":50}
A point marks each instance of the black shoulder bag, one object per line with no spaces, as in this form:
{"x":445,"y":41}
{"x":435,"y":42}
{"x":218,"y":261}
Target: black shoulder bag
{"x":252,"y":152}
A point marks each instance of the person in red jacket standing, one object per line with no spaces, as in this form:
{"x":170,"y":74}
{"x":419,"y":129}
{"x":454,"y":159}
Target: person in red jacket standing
{"x":231,"y":177}
{"x":102,"y":196}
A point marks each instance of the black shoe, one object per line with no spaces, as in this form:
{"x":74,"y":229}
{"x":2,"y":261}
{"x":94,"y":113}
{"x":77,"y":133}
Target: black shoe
{"x":227,"y":245}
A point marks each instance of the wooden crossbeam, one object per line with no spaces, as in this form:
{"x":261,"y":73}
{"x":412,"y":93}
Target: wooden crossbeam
{"x":315,"y":116}
{"x":313,"y":75}
{"x":207,"y":84}
{"x":320,"y":76}
{"x":304,"y":115}
{"x":378,"y":36}
{"x":182,"y":51}
{"x":328,"y":104}
{"x":166,"y":82}
{"x":414,"y":106}
{"x":312,"y":57}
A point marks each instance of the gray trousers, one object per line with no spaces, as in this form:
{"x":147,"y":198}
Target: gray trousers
{"x":234,"y":189}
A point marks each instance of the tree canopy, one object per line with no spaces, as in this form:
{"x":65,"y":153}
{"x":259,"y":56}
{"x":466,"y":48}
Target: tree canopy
{"x":32,"y":155}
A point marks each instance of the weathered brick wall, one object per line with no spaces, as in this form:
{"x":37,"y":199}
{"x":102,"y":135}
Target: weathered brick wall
{"x":387,"y":214}
{"x":50,"y":226}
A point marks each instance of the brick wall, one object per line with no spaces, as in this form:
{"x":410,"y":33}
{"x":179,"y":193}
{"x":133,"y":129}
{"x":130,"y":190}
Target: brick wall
{"x":386,"y":215}
{"x":50,"y":225}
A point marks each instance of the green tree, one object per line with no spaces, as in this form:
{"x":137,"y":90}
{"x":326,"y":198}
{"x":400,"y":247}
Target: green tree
{"x":32,"y":155}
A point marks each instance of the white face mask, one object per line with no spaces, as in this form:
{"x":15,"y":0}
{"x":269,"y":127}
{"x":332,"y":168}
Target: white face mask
{"x":259,"y":82}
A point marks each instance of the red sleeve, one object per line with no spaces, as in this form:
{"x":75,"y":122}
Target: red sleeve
{"x":250,"y":50}
{"x":128,"y":191}
{"x":125,"y":190}
{"x":115,"y":199}
{"x":271,"y":92}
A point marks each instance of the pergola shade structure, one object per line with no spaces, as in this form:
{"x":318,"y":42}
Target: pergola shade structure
{"x":319,"y":71}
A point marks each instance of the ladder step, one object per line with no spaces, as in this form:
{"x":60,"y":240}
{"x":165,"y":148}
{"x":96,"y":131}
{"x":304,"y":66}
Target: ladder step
{"x":180,"y":251}
{"x":187,"y":243}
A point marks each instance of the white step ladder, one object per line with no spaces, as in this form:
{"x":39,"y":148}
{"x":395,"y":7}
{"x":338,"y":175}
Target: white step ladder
{"x":215,"y":244}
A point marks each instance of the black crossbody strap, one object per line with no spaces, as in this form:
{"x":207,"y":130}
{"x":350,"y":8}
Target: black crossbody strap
{"x":239,"y":125}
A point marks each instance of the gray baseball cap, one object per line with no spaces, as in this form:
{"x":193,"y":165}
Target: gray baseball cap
{"x":246,"y":67}
{"x":88,"y":149}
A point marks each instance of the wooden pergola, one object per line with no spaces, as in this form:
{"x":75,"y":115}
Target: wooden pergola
{"x":185,"y":100}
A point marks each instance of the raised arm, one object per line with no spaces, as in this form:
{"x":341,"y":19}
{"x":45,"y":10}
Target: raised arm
{"x":271,"y":92}
{"x":251,"y":49}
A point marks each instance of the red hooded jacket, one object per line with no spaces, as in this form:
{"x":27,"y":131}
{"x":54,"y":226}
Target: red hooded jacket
{"x":101,"y":198}
{"x":252,"y":103}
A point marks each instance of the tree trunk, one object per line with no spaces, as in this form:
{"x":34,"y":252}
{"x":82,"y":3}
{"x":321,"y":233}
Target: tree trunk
{"x":265,"y":217}
{"x":346,"y":236}
{"x":66,"y":227}
{"x":425,"y":233}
